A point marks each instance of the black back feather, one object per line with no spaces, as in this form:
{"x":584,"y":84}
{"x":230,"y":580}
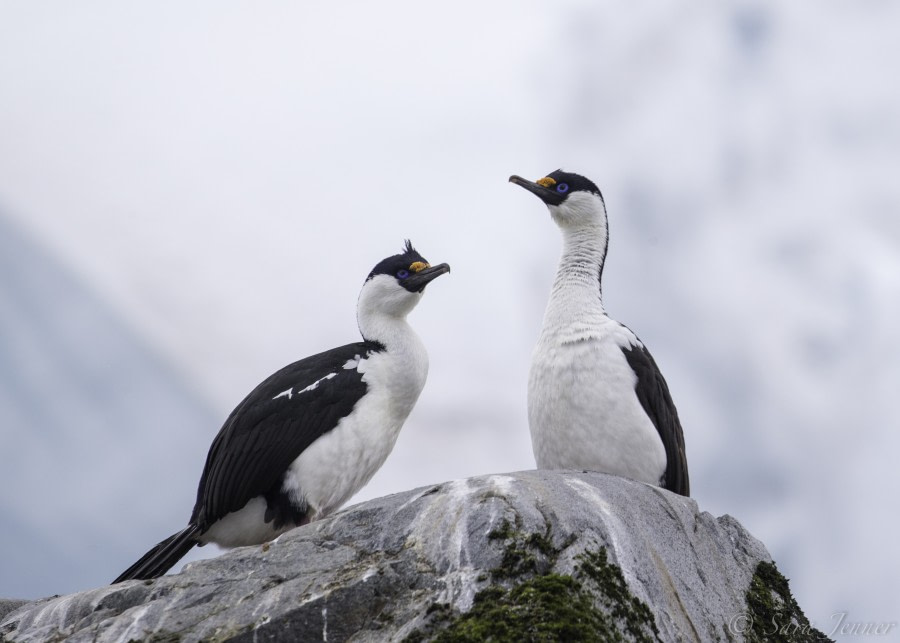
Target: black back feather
{"x":653,"y":393}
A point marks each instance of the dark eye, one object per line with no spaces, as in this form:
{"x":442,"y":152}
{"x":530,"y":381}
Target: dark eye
{"x":562,"y":188}
{"x":403,"y":273}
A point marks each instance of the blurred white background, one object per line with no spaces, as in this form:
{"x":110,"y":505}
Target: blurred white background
{"x":192,"y":193}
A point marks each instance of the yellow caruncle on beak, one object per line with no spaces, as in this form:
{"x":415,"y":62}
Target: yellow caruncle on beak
{"x":546,"y":182}
{"x":417,"y":266}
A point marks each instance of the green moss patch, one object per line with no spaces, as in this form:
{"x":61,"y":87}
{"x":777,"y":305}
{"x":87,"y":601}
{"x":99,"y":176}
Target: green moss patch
{"x":772,"y":612}
{"x":523,"y":554}
{"x":614,"y":594}
{"x":525,"y":602}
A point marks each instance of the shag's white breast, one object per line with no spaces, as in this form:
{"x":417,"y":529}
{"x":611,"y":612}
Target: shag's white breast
{"x":339,"y":463}
{"x":583,"y":410}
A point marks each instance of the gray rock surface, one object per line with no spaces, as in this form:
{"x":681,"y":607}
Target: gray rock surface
{"x":415,"y":564}
{"x":8,"y":605}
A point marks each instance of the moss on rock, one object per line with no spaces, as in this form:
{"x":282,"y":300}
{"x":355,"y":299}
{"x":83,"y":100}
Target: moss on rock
{"x":773,"y":613}
{"x":614,"y":594}
{"x":526,"y":602}
{"x":523,"y":554}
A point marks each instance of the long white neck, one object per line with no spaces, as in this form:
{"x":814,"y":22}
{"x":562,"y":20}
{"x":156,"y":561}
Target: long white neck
{"x":575,"y":309}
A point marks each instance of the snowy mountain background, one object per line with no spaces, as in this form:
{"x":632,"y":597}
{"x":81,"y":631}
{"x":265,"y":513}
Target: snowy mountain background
{"x":192,"y":194}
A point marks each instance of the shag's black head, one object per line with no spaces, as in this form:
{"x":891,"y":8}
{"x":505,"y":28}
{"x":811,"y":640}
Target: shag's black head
{"x":409,"y":268}
{"x":556,"y":187}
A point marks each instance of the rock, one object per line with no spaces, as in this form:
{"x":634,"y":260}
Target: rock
{"x":8,"y":605}
{"x":559,"y":555}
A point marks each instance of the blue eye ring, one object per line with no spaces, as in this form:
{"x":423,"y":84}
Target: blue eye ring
{"x":403,"y":273}
{"x":562,"y":188}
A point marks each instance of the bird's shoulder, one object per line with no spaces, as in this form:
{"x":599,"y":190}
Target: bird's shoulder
{"x":638,"y":356}
{"x":322,"y":380}
{"x":302,"y":375}
{"x":650,"y":381}
{"x":619,"y":334}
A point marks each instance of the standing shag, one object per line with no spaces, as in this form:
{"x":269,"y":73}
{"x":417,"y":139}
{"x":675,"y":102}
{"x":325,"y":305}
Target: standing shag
{"x":596,"y":399}
{"x":312,"y":434}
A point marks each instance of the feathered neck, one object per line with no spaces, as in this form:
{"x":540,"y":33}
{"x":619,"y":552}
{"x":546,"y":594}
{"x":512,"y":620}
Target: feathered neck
{"x":575,"y":308}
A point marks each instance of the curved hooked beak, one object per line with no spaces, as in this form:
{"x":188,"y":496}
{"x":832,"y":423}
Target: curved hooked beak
{"x":548,"y":196}
{"x":417,"y":281}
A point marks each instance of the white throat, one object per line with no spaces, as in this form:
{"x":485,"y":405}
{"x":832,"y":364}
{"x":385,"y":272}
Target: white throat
{"x":575,"y":309}
{"x":381,"y":312}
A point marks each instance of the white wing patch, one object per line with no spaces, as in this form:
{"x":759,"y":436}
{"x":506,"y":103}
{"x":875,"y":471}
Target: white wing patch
{"x":352,"y":363}
{"x":289,"y":393}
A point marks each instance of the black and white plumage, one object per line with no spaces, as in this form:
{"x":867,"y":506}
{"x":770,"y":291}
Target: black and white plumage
{"x":312,"y":434}
{"x":596,"y":398}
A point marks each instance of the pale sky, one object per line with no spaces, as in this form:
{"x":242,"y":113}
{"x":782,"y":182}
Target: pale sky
{"x":222,"y":176}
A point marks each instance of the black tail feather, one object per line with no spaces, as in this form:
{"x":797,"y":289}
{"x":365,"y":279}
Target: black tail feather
{"x":161,"y":558}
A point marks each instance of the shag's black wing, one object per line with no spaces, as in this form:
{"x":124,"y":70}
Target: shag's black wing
{"x":653,"y":392}
{"x":274,"y":424}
